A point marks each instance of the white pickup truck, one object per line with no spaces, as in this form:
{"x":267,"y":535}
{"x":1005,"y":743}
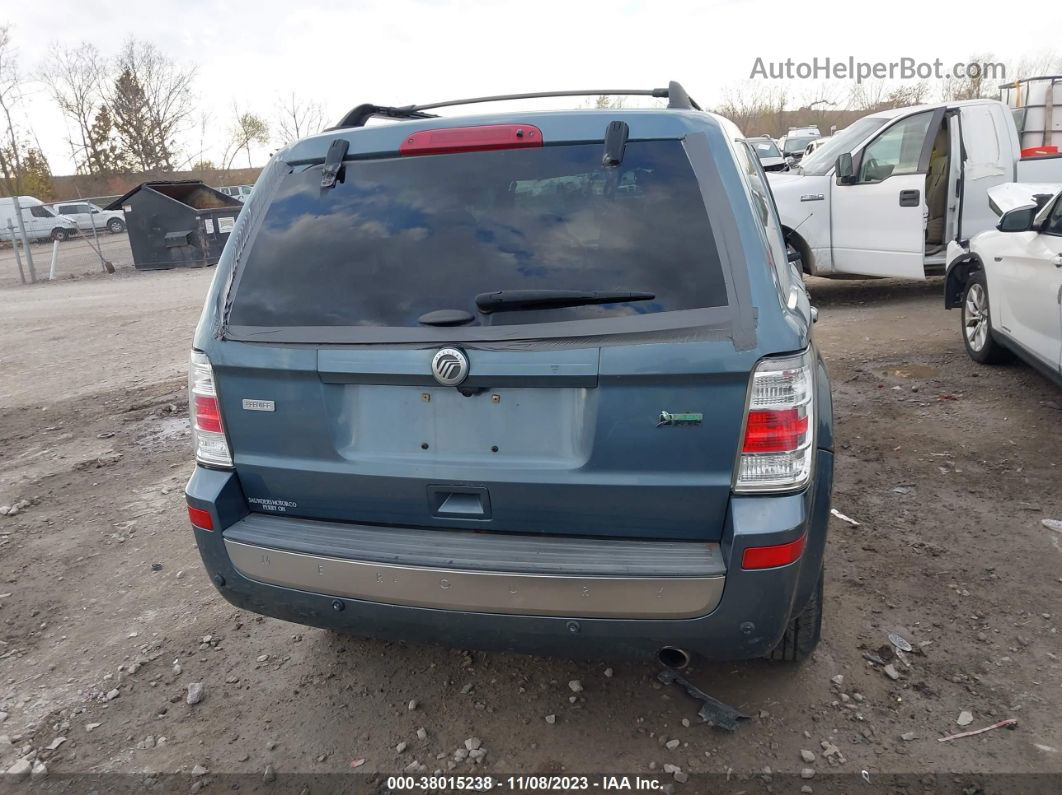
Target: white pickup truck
{"x":886,"y":195}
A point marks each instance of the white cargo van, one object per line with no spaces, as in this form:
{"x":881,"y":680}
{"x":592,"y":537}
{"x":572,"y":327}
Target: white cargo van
{"x":885,"y":196}
{"x":40,"y":222}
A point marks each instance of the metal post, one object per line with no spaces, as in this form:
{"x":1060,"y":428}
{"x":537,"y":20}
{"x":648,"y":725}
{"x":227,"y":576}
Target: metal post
{"x":99,"y":251}
{"x":55,"y":259}
{"x":25,"y":240}
{"x":105,"y":264}
{"x":14,"y":246}
{"x":1049,"y":114}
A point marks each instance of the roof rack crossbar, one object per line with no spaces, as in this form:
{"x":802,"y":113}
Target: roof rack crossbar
{"x":676,"y":95}
{"x":362,"y":113}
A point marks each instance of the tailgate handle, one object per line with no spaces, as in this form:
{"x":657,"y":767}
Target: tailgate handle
{"x":459,"y":502}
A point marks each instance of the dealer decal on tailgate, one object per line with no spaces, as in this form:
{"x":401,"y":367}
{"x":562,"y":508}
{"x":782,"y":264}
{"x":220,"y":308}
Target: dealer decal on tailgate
{"x":280,"y":506}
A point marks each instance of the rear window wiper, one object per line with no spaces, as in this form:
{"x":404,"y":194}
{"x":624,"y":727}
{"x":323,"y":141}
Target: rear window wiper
{"x":509,"y":300}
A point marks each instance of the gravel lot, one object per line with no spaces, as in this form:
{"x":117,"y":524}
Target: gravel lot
{"x":77,"y":258}
{"x":106,"y":616}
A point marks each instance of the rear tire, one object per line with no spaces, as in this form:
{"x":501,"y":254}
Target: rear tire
{"x":802,"y":635}
{"x":116,"y":225}
{"x":977,"y":322}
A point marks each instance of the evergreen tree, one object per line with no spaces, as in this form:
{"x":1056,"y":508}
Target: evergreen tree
{"x":139,"y":143}
{"x":105,"y":152}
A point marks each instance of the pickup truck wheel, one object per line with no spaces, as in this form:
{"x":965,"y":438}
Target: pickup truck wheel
{"x":60,"y":234}
{"x":802,"y":635}
{"x":977,"y":322}
{"x":115,"y":225}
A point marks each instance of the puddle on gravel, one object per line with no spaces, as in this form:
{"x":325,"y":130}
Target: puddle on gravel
{"x":163,"y":430}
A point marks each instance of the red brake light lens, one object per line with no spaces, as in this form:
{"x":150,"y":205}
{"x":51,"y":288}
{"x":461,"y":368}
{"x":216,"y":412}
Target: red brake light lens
{"x":200,"y":518}
{"x":207,"y":413}
{"x":471,"y":139}
{"x":773,"y":556}
{"x":775,"y":431}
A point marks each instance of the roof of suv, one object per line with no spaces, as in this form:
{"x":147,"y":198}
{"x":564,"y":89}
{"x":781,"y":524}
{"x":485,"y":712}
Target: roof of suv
{"x":556,"y":126}
{"x":680,"y":117}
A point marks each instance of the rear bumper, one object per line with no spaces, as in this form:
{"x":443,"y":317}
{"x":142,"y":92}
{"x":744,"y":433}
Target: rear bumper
{"x":720,"y":613}
{"x":506,"y":574}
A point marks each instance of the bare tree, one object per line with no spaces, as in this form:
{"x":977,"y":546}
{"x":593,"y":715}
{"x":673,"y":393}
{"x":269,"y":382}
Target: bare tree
{"x":23,"y":166}
{"x":974,"y":84}
{"x":247,"y":128}
{"x":10,"y":95}
{"x":1036,"y":64}
{"x":868,"y":95}
{"x":74,"y":77}
{"x":151,"y":102}
{"x":754,"y":107}
{"x":297,"y":118}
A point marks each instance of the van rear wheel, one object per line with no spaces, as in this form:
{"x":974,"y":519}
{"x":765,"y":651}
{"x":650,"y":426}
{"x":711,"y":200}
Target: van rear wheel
{"x":802,"y":635}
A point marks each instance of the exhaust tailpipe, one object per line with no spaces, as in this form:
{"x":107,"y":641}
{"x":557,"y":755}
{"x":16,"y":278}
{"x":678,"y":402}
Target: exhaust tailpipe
{"x":675,"y":659}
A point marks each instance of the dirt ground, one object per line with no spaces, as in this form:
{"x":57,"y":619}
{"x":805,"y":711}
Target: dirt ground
{"x":75,"y":258}
{"x":106,"y":615}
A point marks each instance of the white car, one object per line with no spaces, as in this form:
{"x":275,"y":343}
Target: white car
{"x":1008,"y":280}
{"x":795,"y":143}
{"x":815,"y":145}
{"x":768,"y":153}
{"x":86,"y":215}
{"x":241,"y":192}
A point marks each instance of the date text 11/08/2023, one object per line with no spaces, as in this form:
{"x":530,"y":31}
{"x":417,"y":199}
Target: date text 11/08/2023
{"x":531,"y":783}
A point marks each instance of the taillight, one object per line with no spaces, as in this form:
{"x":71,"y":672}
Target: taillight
{"x":211,"y":446}
{"x":778,"y":447}
{"x":200,"y":518}
{"x":774,"y":556}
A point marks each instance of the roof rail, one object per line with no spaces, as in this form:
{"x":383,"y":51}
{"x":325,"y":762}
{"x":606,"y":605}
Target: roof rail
{"x":676,"y":95}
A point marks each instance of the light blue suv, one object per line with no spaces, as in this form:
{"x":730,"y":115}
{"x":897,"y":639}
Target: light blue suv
{"x":534,"y":381}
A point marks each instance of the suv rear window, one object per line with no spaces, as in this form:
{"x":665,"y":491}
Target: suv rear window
{"x":400,"y":237}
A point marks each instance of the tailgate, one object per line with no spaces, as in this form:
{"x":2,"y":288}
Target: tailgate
{"x":557,"y":442}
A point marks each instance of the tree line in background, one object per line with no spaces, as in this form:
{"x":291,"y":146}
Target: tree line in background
{"x":130,"y":113}
{"x":137,"y":112}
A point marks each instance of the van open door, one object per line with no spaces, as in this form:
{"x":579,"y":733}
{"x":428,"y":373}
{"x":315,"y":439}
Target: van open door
{"x":987,"y":161}
{"x":879,"y":213}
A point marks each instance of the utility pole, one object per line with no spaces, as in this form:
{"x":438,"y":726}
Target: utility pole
{"x":25,"y":240}
{"x":14,"y":246}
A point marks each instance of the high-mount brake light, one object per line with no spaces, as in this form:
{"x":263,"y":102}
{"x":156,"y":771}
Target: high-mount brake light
{"x":779,"y":442}
{"x":211,"y":446}
{"x":451,"y":140}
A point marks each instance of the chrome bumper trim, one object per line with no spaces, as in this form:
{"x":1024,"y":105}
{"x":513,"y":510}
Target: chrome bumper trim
{"x":481,"y":591}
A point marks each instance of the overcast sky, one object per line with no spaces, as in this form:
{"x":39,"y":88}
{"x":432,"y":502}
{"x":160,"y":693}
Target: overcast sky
{"x":403,"y":51}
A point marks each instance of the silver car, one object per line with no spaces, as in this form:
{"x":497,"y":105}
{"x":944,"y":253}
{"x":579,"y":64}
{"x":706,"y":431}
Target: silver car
{"x":86,"y":215}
